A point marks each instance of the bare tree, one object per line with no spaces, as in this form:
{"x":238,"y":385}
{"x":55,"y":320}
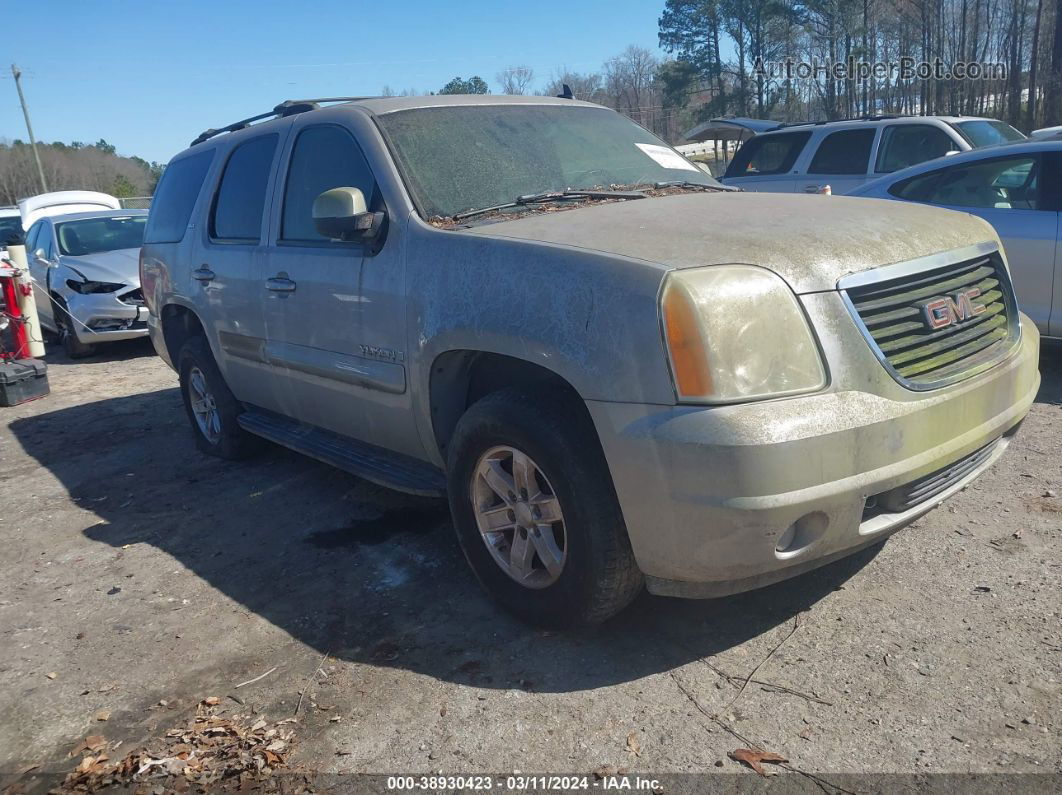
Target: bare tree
{"x":588,"y":87}
{"x":515,"y":79}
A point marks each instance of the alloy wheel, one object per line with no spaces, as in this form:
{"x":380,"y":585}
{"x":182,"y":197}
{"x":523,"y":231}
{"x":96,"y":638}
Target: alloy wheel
{"x":519,"y":517}
{"x":204,"y":407}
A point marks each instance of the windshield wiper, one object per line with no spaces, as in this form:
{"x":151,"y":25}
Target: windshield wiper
{"x":685,"y":183}
{"x":552,"y":196}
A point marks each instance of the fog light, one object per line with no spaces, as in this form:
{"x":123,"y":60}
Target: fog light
{"x":800,"y":535}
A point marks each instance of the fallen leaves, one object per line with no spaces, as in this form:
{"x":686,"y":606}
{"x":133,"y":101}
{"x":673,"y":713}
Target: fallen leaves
{"x":633,"y":745}
{"x":211,"y":752}
{"x":103,"y":714}
{"x":92,"y":744}
{"x":752,"y":758}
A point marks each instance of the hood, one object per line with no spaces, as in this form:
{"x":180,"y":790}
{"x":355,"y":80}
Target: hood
{"x":810,"y":241}
{"x":121,"y":266}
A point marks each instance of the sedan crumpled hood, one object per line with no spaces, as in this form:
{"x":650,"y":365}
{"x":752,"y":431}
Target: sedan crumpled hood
{"x":810,"y":241}
{"x":121,"y":266}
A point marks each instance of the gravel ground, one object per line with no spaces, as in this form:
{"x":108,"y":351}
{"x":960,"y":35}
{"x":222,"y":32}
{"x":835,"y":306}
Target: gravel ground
{"x":139,"y":577}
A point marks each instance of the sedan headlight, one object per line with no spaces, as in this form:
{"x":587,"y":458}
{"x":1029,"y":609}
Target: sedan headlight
{"x":87,"y":287}
{"x":737,"y":332}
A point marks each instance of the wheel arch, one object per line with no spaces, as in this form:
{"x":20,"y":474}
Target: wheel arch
{"x":179,"y":323}
{"x":460,"y":377}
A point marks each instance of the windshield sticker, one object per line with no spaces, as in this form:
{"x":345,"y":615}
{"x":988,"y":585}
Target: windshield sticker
{"x":666,"y":158}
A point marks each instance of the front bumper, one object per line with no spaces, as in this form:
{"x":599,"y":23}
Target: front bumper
{"x":108,"y":318}
{"x":709,"y":493}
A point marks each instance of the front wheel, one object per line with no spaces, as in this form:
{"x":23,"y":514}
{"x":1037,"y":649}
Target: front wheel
{"x":64,"y":323}
{"x":536,"y":513}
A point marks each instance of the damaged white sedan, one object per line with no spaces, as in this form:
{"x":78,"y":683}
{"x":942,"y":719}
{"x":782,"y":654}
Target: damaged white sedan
{"x":85,"y":269}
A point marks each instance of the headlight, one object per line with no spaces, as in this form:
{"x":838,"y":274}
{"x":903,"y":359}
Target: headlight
{"x":737,"y":332}
{"x":85,"y":288}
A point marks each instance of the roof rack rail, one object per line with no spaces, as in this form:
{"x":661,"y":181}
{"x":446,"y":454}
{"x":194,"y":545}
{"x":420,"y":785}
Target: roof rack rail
{"x":289,"y":107}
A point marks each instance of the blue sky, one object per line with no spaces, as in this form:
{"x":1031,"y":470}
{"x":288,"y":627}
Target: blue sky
{"x":150,"y":76}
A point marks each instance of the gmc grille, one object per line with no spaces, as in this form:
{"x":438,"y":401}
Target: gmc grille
{"x":937,"y":326}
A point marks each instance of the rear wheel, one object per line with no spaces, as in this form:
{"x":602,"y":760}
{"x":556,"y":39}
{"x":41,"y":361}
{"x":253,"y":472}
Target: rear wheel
{"x":72,"y":346}
{"x":536,"y":513}
{"x":212,"y":409}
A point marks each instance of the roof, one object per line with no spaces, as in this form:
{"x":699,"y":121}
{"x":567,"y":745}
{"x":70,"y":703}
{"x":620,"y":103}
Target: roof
{"x":737,"y":128}
{"x":83,"y":216}
{"x":383,"y":105}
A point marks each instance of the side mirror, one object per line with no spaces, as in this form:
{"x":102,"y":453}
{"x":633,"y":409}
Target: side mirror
{"x":40,"y":255}
{"x":341,"y":214}
{"x":951,"y":152}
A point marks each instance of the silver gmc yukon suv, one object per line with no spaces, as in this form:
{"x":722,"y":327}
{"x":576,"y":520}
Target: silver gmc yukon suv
{"x":619,"y":372}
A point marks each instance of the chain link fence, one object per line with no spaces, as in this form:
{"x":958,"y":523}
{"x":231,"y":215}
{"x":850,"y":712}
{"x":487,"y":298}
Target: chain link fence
{"x":136,"y":203}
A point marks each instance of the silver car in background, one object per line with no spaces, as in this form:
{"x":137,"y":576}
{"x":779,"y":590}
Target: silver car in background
{"x":86,"y":279}
{"x":1017,"y":188}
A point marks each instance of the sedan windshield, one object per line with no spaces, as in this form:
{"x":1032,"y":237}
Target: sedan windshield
{"x":95,"y":235}
{"x":982,"y":132}
{"x":460,"y":158}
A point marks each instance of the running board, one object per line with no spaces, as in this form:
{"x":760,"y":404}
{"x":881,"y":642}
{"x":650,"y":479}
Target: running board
{"x":393,"y":470}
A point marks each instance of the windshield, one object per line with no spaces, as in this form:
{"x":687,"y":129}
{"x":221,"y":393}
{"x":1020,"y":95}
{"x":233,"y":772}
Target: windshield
{"x":983,"y":132}
{"x":461,"y":158}
{"x":95,"y":235}
{"x":10,"y":225}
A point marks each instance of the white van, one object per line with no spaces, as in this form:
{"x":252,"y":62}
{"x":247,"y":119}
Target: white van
{"x":796,"y":158}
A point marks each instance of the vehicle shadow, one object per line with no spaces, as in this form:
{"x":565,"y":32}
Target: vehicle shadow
{"x":1050,"y":373}
{"x":357,"y":571}
{"x":120,"y":351}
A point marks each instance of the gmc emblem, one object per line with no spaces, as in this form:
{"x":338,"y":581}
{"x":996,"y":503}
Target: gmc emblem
{"x":953,"y":308}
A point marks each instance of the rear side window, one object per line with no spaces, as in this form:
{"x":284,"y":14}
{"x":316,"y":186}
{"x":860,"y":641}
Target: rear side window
{"x":240,"y":200}
{"x":904,"y":145}
{"x":1009,"y":183}
{"x":175,"y":197}
{"x":768,"y":154}
{"x":843,"y":152}
{"x":324,"y":157}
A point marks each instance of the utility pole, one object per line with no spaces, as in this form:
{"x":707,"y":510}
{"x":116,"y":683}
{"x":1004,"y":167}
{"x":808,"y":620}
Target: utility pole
{"x":29,"y":127}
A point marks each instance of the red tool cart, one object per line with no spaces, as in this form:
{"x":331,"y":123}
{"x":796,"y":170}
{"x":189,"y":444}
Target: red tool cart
{"x":22,"y":377}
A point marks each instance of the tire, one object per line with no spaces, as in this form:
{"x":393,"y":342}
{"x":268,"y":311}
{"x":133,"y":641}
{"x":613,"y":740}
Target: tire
{"x":72,"y":346}
{"x":221,"y":434}
{"x":598,"y":576}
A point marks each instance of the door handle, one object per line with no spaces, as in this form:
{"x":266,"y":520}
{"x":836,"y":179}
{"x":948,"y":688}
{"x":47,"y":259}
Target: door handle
{"x":280,"y":284}
{"x":811,"y":189}
{"x":203,"y":274}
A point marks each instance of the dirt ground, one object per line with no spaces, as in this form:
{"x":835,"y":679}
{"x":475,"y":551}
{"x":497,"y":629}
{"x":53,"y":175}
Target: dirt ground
{"x":138,"y":577}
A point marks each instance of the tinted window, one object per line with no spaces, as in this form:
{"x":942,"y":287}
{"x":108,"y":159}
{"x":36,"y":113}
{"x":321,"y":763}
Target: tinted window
{"x":10,"y":227}
{"x":767,"y":154}
{"x":324,"y":157}
{"x":904,"y":145}
{"x":96,"y":235}
{"x":241,"y":196}
{"x":1004,"y":184}
{"x":175,"y":197}
{"x":844,"y":152}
